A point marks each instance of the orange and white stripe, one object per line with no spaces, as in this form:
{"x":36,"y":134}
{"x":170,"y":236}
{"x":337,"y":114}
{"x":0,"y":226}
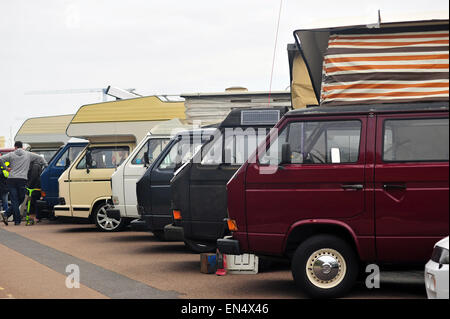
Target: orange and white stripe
{"x":382,"y":67}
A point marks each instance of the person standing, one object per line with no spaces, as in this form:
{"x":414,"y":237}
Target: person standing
{"x":34,"y":189}
{"x":20,"y":161}
{"x":3,"y":186}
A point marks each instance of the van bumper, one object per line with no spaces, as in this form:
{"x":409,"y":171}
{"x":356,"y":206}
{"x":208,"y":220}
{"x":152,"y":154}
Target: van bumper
{"x":139,"y":225}
{"x":228,"y":246}
{"x":157,"y":222}
{"x":173,"y":233}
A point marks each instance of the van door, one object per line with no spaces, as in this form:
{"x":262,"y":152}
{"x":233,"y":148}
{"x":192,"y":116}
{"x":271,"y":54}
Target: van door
{"x":87,"y":184}
{"x":208,"y":179}
{"x":135,"y":168}
{"x":180,"y":152}
{"x":160,"y":178}
{"x":69,"y":154}
{"x":411,"y":185}
{"x":323,"y":179}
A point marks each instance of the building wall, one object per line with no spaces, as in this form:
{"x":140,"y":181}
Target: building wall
{"x":213,"y":108}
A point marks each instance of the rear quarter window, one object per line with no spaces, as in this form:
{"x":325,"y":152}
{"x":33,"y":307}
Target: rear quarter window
{"x":416,"y":140}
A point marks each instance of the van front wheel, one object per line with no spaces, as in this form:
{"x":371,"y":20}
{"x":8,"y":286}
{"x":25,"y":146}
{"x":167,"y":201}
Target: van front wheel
{"x":325,"y":266}
{"x":105,"y":223}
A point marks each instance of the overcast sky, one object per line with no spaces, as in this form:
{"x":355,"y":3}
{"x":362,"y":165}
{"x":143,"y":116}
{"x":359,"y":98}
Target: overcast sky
{"x":156,"y":47}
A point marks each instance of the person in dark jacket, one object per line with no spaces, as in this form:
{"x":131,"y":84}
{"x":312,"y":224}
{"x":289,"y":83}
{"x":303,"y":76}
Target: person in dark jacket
{"x":34,"y":186}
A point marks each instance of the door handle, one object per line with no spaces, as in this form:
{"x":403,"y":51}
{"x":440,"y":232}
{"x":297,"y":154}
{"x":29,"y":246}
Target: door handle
{"x":394,"y":186}
{"x":353,"y":186}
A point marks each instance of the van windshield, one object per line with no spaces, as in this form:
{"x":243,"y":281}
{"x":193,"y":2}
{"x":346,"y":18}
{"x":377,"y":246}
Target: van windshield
{"x":46,"y":154}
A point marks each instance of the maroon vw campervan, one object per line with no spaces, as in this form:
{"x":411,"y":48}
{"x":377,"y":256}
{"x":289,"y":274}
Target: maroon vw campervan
{"x":358,"y":173}
{"x":334,"y":188}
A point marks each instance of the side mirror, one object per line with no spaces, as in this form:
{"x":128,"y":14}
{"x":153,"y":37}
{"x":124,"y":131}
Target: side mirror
{"x":88,"y":160}
{"x":286,"y":154}
{"x":146,"y":159}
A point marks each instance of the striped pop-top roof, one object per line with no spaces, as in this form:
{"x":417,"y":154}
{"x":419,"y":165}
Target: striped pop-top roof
{"x":386,"y":67}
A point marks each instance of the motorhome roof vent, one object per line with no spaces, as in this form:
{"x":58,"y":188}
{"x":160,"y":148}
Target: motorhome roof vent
{"x":260,"y":117}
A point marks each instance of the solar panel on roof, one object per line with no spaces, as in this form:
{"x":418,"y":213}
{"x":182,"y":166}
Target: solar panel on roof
{"x":260,"y":117}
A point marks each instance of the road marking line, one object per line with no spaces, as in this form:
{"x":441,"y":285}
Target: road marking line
{"x":95,"y":277}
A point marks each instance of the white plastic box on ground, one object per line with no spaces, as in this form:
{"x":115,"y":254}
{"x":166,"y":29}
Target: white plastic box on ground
{"x":242,"y":264}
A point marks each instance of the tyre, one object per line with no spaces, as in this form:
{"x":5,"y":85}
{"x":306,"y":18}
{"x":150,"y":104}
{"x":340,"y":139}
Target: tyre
{"x":325,"y":266}
{"x":200,"y":247}
{"x":105,"y":223}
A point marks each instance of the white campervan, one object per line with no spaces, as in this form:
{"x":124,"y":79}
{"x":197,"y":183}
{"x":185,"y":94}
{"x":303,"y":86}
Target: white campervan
{"x":124,"y":180}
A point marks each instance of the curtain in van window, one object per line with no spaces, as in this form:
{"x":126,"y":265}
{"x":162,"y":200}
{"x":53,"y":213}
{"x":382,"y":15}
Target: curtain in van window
{"x":383,"y":67}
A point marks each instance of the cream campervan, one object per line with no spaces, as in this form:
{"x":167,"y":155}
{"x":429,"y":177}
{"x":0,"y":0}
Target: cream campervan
{"x":44,"y":135}
{"x":112,"y":129}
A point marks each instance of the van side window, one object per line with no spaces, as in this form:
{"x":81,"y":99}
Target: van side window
{"x":105,"y":157}
{"x":242,"y":143}
{"x":71,"y":153}
{"x":180,"y":153}
{"x":154,"y":147}
{"x":319,"y":142}
{"x":212,"y":151}
{"x":239,"y":144}
{"x":415,"y":140}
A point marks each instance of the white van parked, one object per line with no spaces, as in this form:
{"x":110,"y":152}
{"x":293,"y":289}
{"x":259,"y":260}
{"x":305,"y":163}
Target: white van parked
{"x":124,"y":179}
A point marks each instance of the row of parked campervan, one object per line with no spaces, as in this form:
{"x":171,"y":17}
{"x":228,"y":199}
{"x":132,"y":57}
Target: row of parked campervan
{"x":353,"y":172}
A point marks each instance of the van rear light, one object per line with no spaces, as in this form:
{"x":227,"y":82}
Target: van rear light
{"x":232,"y":226}
{"x":176,"y":214}
{"x":43,"y":194}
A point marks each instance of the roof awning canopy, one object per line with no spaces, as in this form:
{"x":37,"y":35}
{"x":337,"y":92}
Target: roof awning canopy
{"x":312,"y":45}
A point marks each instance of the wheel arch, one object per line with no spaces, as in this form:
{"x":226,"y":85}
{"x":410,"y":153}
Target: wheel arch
{"x":95,"y":204}
{"x":302,"y":230}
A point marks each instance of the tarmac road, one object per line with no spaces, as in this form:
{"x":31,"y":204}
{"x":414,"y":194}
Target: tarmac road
{"x":132,"y":264}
